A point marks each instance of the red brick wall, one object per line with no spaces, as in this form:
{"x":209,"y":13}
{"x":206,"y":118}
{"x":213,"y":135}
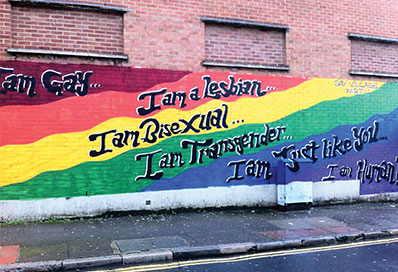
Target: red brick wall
{"x":230,"y":44}
{"x":378,"y":57}
{"x":169,"y":35}
{"x":66,"y":29}
{"x":5,"y":28}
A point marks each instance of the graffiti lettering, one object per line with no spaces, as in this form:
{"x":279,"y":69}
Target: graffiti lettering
{"x":212,"y":89}
{"x":254,"y":168}
{"x":120,"y":139}
{"x":148,"y":166}
{"x":76,"y":82}
{"x":168,"y":99}
{"x":363,"y":136}
{"x":194,"y":149}
{"x":199,"y":150}
{"x":344,"y":172}
{"x":153,"y":130}
{"x":377,"y":172}
{"x":216,"y":90}
{"x":331,"y":148}
{"x":52,"y":81}
{"x":308,"y":151}
{"x":152,"y":107}
{"x":103,"y":150}
{"x":357,"y":87}
{"x":360,"y":136}
{"x":168,"y":160}
{"x":235,"y":144}
{"x":198,"y":122}
{"x":16,"y":82}
{"x":330,"y":176}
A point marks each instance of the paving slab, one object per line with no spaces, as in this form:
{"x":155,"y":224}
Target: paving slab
{"x":292,"y":223}
{"x":294,"y":233}
{"x":91,"y":248}
{"x":340,"y":230}
{"x":323,"y":222}
{"x":365,"y":226}
{"x":226,"y":236}
{"x":142,"y":244}
{"x":53,"y":252}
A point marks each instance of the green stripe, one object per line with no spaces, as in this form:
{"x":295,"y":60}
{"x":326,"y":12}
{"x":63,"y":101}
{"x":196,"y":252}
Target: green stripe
{"x":117,"y":174}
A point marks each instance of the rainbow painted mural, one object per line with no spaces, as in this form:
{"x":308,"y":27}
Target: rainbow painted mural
{"x":83,"y":130}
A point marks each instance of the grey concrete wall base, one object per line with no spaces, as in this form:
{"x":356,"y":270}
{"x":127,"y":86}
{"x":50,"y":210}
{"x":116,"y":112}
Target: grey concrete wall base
{"x":216,"y":197}
{"x":91,"y":262}
{"x":237,"y":248}
{"x":378,"y":197}
{"x":147,"y":257}
{"x":32,"y":267}
{"x":194,"y":252}
{"x":88,"y":206}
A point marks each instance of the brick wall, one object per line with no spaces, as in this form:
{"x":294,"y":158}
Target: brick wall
{"x":380,"y":57}
{"x":5,"y":28}
{"x":169,"y":35}
{"x":244,"y":45}
{"x":66,"y":29}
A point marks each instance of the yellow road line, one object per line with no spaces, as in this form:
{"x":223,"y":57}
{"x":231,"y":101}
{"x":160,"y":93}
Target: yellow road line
{"x":254,"y":256}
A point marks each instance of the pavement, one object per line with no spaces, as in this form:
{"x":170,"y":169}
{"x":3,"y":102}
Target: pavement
{"x":118,"y":240}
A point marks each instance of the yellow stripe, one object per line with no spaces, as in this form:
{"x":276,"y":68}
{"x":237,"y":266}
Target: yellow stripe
{"x":154,"y":267}
{"x":61,"y":151}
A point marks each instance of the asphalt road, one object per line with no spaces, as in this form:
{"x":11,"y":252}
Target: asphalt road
{"x":377,"y":255}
